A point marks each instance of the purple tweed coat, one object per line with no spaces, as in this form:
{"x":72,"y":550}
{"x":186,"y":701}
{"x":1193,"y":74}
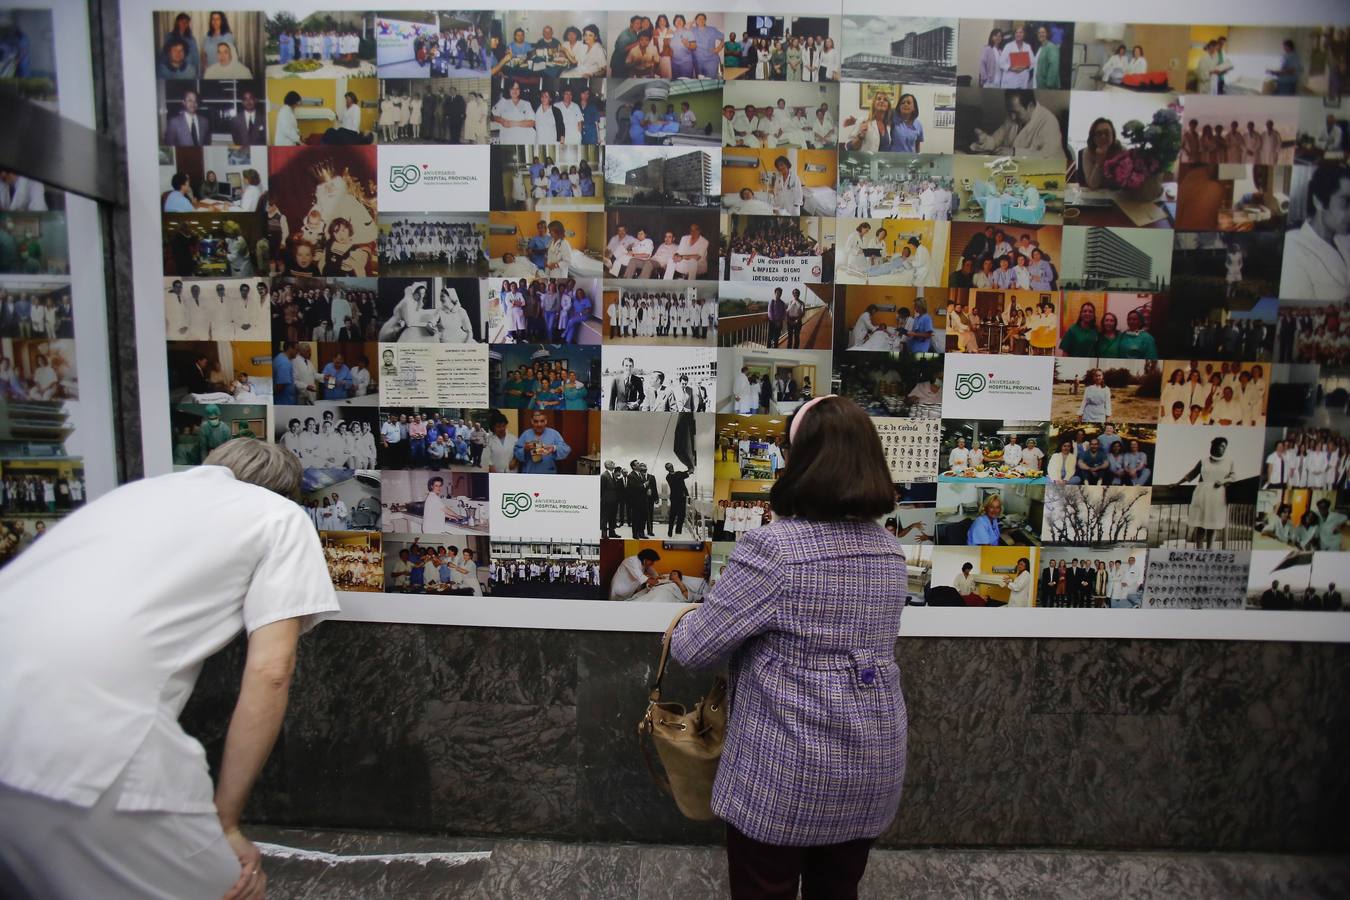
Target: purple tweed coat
{"x":808,"y":613}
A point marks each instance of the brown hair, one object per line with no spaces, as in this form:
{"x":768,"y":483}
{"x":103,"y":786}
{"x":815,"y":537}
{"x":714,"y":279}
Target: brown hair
{"x":836,"y":468}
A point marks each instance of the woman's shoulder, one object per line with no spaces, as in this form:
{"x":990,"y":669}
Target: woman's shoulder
{"x":812,"y":539}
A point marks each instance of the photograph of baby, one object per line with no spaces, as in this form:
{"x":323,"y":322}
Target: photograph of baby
{"x":323,"y":201}
{"x":458,"y":567}
{"x":659,"y":379}
{"x":655,"y":314}
{"x":563,"y":570}
{"x":670,"y":453}
{"x":422,"y":501}
{"x":793,"y":316}
{"x":890,"y":319}
{"x":654,"y":571}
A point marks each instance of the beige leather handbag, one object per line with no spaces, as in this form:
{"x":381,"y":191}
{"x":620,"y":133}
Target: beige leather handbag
{"x":689,"y":743}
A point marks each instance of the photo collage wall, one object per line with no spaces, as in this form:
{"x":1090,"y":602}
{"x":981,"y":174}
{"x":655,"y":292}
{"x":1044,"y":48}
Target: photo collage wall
{"x":528,"y":293}
{"x":42,"y":474}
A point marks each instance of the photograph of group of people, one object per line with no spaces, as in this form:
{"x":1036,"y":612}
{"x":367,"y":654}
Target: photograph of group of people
{"x":686,"y":224}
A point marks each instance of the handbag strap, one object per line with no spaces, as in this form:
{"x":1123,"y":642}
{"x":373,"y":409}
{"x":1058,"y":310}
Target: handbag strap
{"x":655,"y":693}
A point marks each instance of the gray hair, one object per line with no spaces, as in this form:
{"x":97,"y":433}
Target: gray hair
{"x":259,"y":462}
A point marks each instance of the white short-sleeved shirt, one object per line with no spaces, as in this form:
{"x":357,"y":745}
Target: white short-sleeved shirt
{"x":627,"y":579}
{"x":105,"y":623}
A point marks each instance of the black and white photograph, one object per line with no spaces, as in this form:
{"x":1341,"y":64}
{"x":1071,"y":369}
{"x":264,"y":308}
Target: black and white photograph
{"x":920,"y":49}
{"x":673,"y":452}
{"x":659,"y":379}
{"x":1314,"y":260}
{"x":310,"y":309}
{"x":1095,"y":515}
{"x":1196,"y":579}
{"x":430,"y":311}
{"x":343,"y":437}
{"x":1019,"y":122}
{"x":658,"y":313}
{"x":448,"y":244}
{"x":1205,"y":484}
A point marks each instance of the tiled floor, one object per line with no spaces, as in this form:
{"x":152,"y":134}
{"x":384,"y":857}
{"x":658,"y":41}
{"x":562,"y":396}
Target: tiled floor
{"x":329,"y":865}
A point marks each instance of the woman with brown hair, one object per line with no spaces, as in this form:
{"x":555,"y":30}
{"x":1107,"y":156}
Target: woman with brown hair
{"x":808,"y":612}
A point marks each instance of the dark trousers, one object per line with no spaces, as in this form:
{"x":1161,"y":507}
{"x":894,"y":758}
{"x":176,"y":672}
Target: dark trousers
{"x":768,"y":872}
{"x":609,"y":517}
{"x":677,"y":511}
{"x":775,"y":329}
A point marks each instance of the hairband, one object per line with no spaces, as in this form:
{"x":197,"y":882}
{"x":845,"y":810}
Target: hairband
{"x":797,"y":419}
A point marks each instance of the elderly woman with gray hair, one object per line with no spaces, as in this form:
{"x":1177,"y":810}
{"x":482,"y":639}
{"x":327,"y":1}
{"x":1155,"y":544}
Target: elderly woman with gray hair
{"x":104,"y":625}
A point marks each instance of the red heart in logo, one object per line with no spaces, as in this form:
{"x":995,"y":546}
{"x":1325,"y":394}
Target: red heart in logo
{"x":536,"y":493}
{"x":991,"y":374}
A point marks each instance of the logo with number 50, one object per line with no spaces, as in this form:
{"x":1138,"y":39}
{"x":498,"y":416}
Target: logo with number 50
{"x":515,"y":504}
{"x":969,"y":384}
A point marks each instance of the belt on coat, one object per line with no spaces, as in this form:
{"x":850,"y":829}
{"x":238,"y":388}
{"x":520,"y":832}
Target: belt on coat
{"x":864,"y":663}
